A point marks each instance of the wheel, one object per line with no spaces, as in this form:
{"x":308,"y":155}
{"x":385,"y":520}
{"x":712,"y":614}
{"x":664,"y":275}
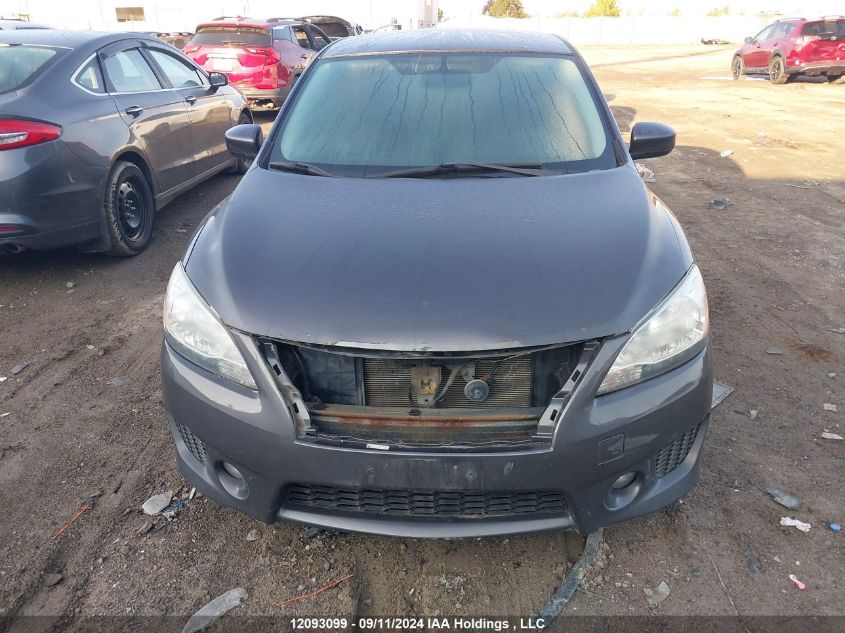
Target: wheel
{"x":737,"y":67}
{"x":836,"y":80}
{"x":241,"y":164}
{"x":129,"y":208}
{"x":777,"y":71}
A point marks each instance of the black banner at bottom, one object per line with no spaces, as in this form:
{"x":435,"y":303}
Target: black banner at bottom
{"x":468,"y":624}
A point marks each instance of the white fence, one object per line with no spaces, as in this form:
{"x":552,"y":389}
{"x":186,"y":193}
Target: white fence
{"x":627,"y":30}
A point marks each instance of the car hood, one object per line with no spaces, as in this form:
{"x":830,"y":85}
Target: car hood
{"x":438,"y":264}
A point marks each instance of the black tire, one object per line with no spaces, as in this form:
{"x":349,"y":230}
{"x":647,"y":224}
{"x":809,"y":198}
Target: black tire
{"x":241,"y":164}
{"x":837,"y":80}
{"x":129,"y":208}
{"x":777,"y":71}
{"x":737,"y":67}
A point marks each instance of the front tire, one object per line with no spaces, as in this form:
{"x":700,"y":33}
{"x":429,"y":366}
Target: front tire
{"x":777,"y":71}
{"x":129,"y":208}
{"x":737,"y":67}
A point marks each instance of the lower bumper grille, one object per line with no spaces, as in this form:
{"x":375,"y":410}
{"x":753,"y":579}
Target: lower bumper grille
{"x":672,"y":455}
{"x":427,"y":503}
{"x":194,"y":444}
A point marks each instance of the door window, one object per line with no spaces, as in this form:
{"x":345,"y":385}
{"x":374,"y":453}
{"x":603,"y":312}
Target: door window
{"x":764,"y":34}
{"x":282,"y":33}
{"x":91,"y":78}
{"x":780,"y":30}
{"x":178,"y":73}
{"x":128,"y":71}
{"x":301,"y":37}
{"x":320,"y":40}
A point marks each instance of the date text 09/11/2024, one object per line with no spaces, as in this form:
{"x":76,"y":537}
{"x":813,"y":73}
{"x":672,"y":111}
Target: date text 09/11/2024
{"x":419,"y":624}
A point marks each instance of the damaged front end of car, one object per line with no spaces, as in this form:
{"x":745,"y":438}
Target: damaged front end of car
{"x":481,"y":401}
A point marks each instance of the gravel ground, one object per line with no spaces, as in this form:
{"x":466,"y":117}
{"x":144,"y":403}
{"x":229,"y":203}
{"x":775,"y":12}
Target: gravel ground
{"x":85,"y":415}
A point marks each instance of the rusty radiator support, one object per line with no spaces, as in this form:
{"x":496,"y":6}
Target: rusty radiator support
{"x":441,"y":425}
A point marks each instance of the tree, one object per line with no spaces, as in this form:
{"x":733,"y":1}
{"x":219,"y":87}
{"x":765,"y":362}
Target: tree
{"x":504,"y":9}
{"x":603,"y":8}
{"x":725,"y":10}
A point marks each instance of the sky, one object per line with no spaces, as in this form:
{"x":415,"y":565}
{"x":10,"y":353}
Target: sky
{"x":548,"y":8}
{"x":372,"y":13}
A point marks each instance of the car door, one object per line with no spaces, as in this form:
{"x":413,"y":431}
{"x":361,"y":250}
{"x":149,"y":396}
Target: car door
{"x":289,"y":52}
{"x":303,"y":41}
{"x":757,"y":57}
{"x":208,"y":108}
{"x":157,"y":116}
{"x":778,"y":40}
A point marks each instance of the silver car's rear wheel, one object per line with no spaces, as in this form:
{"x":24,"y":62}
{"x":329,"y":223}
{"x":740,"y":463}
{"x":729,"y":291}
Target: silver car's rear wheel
{"x":129,"y":209}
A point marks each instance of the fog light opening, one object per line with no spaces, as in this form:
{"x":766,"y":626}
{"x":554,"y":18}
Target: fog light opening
{"x":623,"y":491}
{"x":231,"y":470}
{"x":623,"y":481}
{"x":232,"y":480}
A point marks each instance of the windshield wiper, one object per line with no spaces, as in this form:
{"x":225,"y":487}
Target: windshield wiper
{"x":299,"y":168}
{"x":522,"y":169}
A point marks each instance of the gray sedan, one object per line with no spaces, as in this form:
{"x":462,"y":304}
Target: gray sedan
{"x":441,"y":302}
{"x":98,"y":131}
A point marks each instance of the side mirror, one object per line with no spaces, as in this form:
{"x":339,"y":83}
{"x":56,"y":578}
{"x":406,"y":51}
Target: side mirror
{"x":649,"y":140}
{"x":749,"y":40}
{"x":244,"y":140}
{"x":218,"y":80}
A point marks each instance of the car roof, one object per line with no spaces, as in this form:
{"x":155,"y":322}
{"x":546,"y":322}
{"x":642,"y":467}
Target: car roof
{"x":21,"y":25}
{"x":440,"y":40}
{"x":827,"y":18}
{"x":267,"y":23}
{"x":319,"y":19}
{"x":65,"y":39}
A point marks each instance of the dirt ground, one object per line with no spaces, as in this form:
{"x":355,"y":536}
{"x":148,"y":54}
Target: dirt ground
{"x":72,"y":424}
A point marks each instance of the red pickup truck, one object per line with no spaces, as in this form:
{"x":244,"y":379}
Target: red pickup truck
{"x":792,"y":47}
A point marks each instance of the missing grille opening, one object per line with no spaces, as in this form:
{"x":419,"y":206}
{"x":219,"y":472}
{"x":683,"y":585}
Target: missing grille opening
{"x":436,"y":399}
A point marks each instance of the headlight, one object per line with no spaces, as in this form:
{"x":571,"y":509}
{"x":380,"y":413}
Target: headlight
{"x":193,"y":329}
{"x":674,"y":333}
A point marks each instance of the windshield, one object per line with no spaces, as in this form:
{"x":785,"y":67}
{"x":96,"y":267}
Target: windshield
{"x":371,"y":114}
{"x":21,"y":64}
{"x":232,"y":36}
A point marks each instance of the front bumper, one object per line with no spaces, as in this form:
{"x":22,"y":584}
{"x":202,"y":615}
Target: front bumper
{"x":655,"y":429}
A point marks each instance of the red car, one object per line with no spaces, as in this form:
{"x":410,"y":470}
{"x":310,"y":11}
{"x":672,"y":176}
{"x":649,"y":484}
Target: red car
{"x":262,"y":58}
{"x":792,"y":47}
